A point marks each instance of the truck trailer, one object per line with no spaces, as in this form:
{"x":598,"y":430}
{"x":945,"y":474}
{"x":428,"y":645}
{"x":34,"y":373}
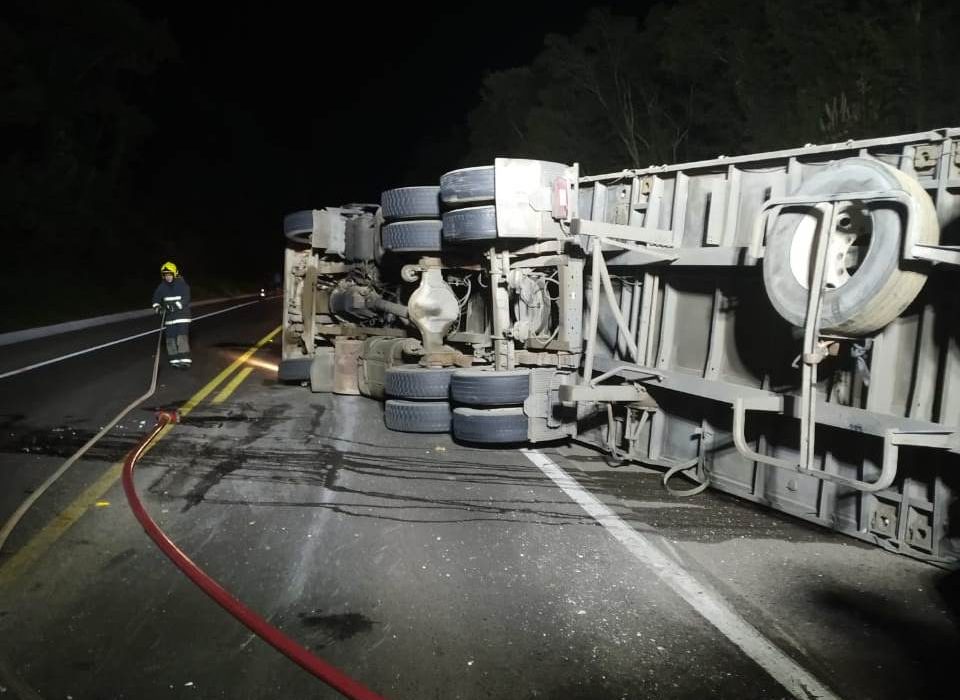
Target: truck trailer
{"x":780,"y":326}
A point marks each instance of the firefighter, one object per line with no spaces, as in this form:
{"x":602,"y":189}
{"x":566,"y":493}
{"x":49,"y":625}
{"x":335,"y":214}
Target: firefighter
{"x":173,"y":296}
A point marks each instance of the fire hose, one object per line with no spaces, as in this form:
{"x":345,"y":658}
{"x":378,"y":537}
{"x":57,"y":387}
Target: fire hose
{"x":326,"y":672}
{"x":323,"y":670}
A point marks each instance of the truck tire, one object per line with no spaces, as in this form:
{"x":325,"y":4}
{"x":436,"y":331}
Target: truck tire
{"x":417,"y":416}
{"x":298,"y":222}
{"x":415,"y":382}
{"x":875,"y":289}
{"x":411,"y":203}
{"x":490,"y":425}
{"x":298,"y":226}
{"x":484,"y":387}
{"x":412,"y":237}
{"x":467,"y":186}
{"x":470,"y":224}
{"x":296,"y":369}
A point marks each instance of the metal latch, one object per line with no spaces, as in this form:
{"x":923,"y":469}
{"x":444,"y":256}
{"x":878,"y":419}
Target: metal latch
{"x":925,"y":157}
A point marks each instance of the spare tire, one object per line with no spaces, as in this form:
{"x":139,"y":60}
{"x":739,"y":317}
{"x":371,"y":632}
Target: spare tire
{"x":487,"y":387}
{"x":866,"y":286}
{"x":470,"y":224}
{"x":467,"y":186}
{"x":417,"y":416}
{"x":411,"y":237}
{"x":415,"y":382}
{"x":490,"y":425}
{"x":411,"y":203}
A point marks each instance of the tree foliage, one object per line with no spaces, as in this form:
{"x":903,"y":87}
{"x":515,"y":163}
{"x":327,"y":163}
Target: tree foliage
{"x":700,"y":78}
{"x":71,"y":130}
{"x":69,"y":122}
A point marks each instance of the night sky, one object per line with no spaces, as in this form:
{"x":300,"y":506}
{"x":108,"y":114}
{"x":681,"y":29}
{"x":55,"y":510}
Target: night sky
{"x":194,"y":132}
{"x":191,"y":129}
{"x":271,"y":108}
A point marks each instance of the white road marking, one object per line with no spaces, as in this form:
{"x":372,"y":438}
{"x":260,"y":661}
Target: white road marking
{"x":793,"y":677}
{"x":37,"y":365}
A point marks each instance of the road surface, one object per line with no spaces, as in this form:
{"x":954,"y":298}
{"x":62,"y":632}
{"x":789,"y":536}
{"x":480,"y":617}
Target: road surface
{"x":422,"y":567}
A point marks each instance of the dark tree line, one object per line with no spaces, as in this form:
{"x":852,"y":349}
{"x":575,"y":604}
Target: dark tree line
{"x":699,"y":78}
{"x":72,"y":76}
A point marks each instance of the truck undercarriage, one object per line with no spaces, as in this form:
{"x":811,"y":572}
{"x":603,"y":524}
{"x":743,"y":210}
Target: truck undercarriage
{"x":777,"y":326}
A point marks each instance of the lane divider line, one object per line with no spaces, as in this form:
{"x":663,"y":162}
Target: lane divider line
{"x":794,"y":678}
{"x":232,"y":385}
{"x":215,"y":382}
{"x":68,"y":356}
{"x":24,"y":557}
{"x":38,"y":545}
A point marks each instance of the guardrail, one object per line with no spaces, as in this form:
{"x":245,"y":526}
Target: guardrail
{"x":26,"y":334}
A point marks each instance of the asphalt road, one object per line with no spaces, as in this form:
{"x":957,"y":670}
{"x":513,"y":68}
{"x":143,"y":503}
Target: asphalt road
{"x":422,"y":567}
{"x":49,"y":412}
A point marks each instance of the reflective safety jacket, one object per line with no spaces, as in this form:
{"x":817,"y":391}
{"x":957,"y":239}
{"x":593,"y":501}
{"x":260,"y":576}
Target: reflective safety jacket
{"x":175,"y":297}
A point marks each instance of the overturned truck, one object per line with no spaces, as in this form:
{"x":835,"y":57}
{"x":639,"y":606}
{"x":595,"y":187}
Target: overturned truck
{"x":781,"y":326}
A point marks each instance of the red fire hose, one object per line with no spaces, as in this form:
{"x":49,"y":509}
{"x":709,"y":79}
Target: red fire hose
{"x":327,"y":673}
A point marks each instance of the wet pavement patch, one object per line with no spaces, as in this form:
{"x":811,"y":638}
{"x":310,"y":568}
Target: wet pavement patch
{"x":316,"y":420}
{"x":208,"y":420}
{"x":336,"y":627}
{"x":9,"y":419}
{"x":213,"y":477}
{"x":225,"y":470}
{"x":123,"y":556}
{"x":169,"y":406}
{"x":64,"y":440}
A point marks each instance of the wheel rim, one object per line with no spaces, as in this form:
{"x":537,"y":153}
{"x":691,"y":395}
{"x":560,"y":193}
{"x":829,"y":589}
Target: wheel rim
{"x":847,"y":248}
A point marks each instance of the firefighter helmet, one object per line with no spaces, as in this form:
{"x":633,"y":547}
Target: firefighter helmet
{"x":169,"y":267}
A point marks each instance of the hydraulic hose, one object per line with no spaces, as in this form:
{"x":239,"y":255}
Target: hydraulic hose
{"x":28,"y":502}
{"x":326,"y":672}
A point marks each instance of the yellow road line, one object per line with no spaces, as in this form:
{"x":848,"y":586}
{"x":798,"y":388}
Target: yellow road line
{"x":62,"y":522}
{"x":232,"y":385}
{"x":65,"y":519}
{"x":215,"y":382}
